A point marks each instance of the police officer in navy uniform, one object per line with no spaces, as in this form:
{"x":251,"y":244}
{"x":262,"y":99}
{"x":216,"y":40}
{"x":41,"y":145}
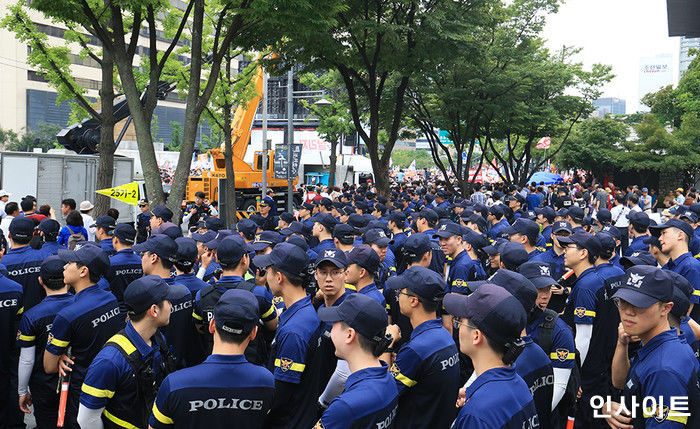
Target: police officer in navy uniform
{"x":143,"y":221}
{"x":426,"y":368}
{"x":48,"y":229}
{"x":363,"y":265}
{"x":23,"y":263}
{"x":525,"y":231}
{"x":35,"y":386}
{"x":11,"y":310}
{"x":294,"y":354}
{"x":225,"y":390}
{"x":323,"y":231}
{"x":124,"y":265}
{"x":664,"y":368}
{"x":122,"y":380}
{"x":186,"y":258}
{"x":370,"y":396}
{"x":461,"y":267}
{"x":490,"y":322}
{"x":84,"y":325}
{"x":104,"y":232}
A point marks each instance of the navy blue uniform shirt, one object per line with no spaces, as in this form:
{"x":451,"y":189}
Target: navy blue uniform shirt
{"x":191,"y":281}
{"x":372,"y":291}
{"x":180,"y":332}
{"x":637,"y":244}
{"x":535,"y":368}
{"x":124,"y":268}
{"x":51,"y":248}
{"x":107,"y":247}
{"x":23,"y":266}
{"x":463,"y":269}
{"x":685,"y":265}
{"x":326,"y":244}
{"x":10,"y":312}
{"x":496,"y":229}
{"x":563,"y":349}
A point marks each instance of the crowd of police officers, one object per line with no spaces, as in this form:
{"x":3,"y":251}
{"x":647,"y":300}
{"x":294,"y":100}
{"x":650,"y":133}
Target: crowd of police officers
{"x":420,"y":310}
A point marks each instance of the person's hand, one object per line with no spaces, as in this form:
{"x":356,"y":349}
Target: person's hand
{"x":193,"y":210}
{"x":557,"y":290}
{"x":618,"y":417}
{"x":206,"y":258}
{"x":623,"y":338}
{"x":395,"y":333}
{"x":25,"y":401}
{"x":461,"y":398}
{"x":64,"y":363}
{"x":260,"y":277}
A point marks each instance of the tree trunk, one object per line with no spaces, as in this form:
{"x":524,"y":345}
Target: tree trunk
{"x":231,"y":204}
{"x":334,"y":160}
{"x":105,"y":169}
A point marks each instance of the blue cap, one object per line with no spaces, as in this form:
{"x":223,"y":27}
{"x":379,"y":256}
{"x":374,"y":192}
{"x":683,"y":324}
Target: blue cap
{"x":576,"y":213}
{"x":237,"y":312}
{"x":562,"y":225}
{"x":645,"y":285}
{"x":257,"y":219}
{"x":479,"y":221}
{"x":365,"y":257}
{"x":146,"y":291}
{"x":376,"y":236}
{"x":213,"y":223}
{"x":422,"y":281}
{"x":656,"y":229}
{"x":347,"y":210}
{"x":163,"y":212}
{"x":513,"y":254}
{"x":204,"y":237}
{"x":294,"y":227}
{"x":495,"y":247}
{"x":613,"y":231}
{"x":286,"y":257}
{"x":562,"y":212}
{"x":690,"y":215}
{"x":607,"y":241}
{"x":639,"y":257}
{"x":160,"y":244}
{"x":604,"y":216}
{"x":287,"y":217}
{"x":398,"y":217}
{"x":584,"y":240}
{"x":448,"y":229}
{"x":539,"y":273}
{"x":307,"y":206}
{"x":267,"y":201}
{"x":247,"y":227}
{"x":231,"y":249}
{"x":173,"y":231}
{"x":416,"y":245}
{"x":105,"y":222}
{"x":264,"y":240}
{"x":125,"y":233}
{"x":360,"y":312}
{"x":344,"y":232}
{"x":639,"y":219}
{"x":22,"y":227}
{"x":492,"y":309}
{"x":518,"y":285}
{"x":526,"y":227}
{"x":49,"y":226}
{"x":334,"y":256}
{"x":186,"y":251}
{"x":476,"y":240}
{"x":92,"y":257}
{"x":429,"y":215}
{"x":327,"y":220}
{"x":695,"y":207}
{"x":358,"y":221}
{"x":213,"y":244}
{"x":497,"y":210}
{"x":682,"y":292}
{"x":52,"y":268}
{"x":652,"y":241}
{"x":298,"y":241}
{"x":546,"y":212}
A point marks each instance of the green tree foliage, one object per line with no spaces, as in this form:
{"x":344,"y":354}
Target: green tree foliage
{"x":594,"y":144}
{"x":43,"y":137}
{"x":404,"y":158}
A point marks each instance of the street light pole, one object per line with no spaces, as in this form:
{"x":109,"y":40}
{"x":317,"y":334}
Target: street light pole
{"x":264,"y":136}
{"x":290,"y":139}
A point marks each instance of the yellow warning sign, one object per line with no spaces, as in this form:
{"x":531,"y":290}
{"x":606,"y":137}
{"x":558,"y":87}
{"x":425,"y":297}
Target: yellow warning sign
{"x":128,"y":193}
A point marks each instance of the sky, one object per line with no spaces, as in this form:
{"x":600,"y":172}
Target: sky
{"x":618,"y":33}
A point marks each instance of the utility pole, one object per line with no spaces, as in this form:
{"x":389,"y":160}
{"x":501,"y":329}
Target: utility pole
{"x":290,"y":139}
{"x":265,"y":147}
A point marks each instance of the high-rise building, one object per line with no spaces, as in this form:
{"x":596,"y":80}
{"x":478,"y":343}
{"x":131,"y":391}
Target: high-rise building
{"x":684,"y":59}
{"x":604,"y":106}
{"x":654,"y":74}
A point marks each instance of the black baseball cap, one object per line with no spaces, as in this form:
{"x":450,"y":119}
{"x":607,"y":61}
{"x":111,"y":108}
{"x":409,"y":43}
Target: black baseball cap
{"x":125,"y":233}
{"x":655,"y":230}
{"x":93,"y":257}
{"x":236,"y":312}
{"x":422,"y":281}
{"x":264,"y":240}
{"x":334,"y":256}
{"x":604,"y":216}
{"x":539,"y":273}
{"x":344,"y":233}
{"x":22,"y":227}
{"x":360,"y":312}
{"x":492,"y":309}
{"x":526,"y":227}
{"x":105,"y":222}
{"x":428,"y":214}
{"x":561,"y":225}
{"x":286,"y":257}
{"x":160,"y":244}
{"x":365,"y":257}
{"x":231,"y":249}
{"x":417,"y":245}
{"x":52,"y":268}
{"x":49,"y":226}
{"x":518,"y":285}
{"x":645,"y":285}
{"x":448,"y":229}
{"x":640,"y":257}
{"x":162,"y":212}
{"x":327,"y":220}
{"x":583,"y":239}
{"x":186,"y":251}
{"x":376,"y":236}
{"x":146,"y":291}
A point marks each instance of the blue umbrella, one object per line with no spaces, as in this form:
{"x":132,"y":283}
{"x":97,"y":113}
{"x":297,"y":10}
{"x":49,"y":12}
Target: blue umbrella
{"x":547,"y":178}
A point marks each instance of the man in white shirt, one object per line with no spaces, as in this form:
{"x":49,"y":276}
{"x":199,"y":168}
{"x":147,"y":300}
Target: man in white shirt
{"x":88,"y":222}
{"x":4,"y":196}
{"x":619,"y":219}
{"x":10,"y":212}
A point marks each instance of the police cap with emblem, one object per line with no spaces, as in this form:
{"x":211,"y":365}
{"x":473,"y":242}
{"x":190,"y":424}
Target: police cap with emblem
{"x":539,"y":273}
{"x":236,"y":312}
{"x":376,"y":236}
{"x":231,"y":249}
{"x":159,"y":244}
{"x":286,"y":257}
{"x":22,"y":227}
{"x":334,"y":256}
{"x":448,"y":229}
{"x":518,"y":286}
{"x":186,"y":254}
{"x":125,"y":233}
{"x":416,"y":245}
{"x":265,"y":239}
{"x":365,"y":257}
{"x":645,"y":285}
{"x":673,"y":223}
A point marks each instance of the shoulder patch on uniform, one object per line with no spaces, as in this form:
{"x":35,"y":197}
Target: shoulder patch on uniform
{"x":319,"y":425}
{"x":661,"y":413}
{"x":580,"y":311}
{"x":562,"y":354}
{"x":285,"y":364}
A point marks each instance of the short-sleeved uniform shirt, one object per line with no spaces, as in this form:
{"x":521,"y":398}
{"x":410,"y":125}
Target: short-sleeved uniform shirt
{"x":426,"y":371}
{"x":125,"y":267}
{"x":369,"y":401}
{"x":535,"y":368}
{"x":10,"y":312}
{"x":23,"y":266}
{"x":563,"y":349}
{"x":664,"y":368}
{"x":223,"y":391}
{"x":372,"y":291}
{"x":34,"y":332}
{"x":498,"y":398}
{"x":462,"y":268}
{"x":637,"y":244}
{"x":688,"y":267}
{"x":191,"y":281}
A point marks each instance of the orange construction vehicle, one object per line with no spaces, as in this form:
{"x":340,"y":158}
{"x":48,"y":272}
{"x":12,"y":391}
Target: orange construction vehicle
{"x":248,"y":178}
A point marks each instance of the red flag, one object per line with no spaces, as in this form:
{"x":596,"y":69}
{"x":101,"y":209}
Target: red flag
{"x":544,"y":143}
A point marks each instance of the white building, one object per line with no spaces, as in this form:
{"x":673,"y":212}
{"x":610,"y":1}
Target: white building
{"x":654,"y":73}
{"x":684,"y":59}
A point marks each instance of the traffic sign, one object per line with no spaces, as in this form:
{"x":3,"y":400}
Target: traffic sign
{"x":128,"y":193}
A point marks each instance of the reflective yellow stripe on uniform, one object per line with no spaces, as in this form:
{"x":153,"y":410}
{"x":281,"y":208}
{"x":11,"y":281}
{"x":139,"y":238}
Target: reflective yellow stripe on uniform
{"x":569,"y":356}
{"x":696,"y":292}
{"x":197,"y":316}
{"x":351,"y":287}
{"x":20,"y":311}
{"x":117,"y":421}
{"x":673,"y":416}
{"x":589,"y":313}
{"x":97,"y":393}
{"x":298,"y":367}
{"x":394,"y":370}
{"x":26,"y":337}
{"x":58,"y":343}
{"x":160,"y":416}
{"x":123,"y":342}
{"x":268,"y":312}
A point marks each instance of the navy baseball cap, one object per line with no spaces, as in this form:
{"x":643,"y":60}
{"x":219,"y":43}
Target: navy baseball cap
{"x":417,"y":245}
{"x":640,"y":257}
{"x":247,"y":227}
{"x":163,"y":212}
{"x":231,"y":249}
{"x":690,"y":216}
{"x":347,"y":210}
{"x":562,"y":212}
{"x":376,"y":236}
{"x":326,"y":202}
{"x":607,"y":241}
{"x":264,"y":240}
{"x":286,"y":257}
{"x":513,"y":254}
{"x":479,"y":221}
{"x":49,"y":226}
{"x":476,"y":240}
{"x":448,"y":229}
{"x":213,"y":244}
{"x":173,"y":231}
{"x":160,"y":244}
{"x":561,"y":225}
{"x":682,"y":292}
{"x":344,"y":232}
{"x":584,"y":240}
{"x":213,"y":223}
{"x":267,"y":201}
{"x":204,"y":237}
{"x":327,"y":220}
{"x":358,"y":221}
{"x":495,"y":247}
{"x":497,"y":210}
{"x":492,"y":309}
{"x":146,"y":291}
{"x":125,"y":232}
{"x":186,"y":251}
{"x":652,"y":241}
{"x":613,"y":231}
{"x":539,"y":273}
{"x":334,"y":256}
{"x":52,"y":268}
{"x":656,"y":229}
{"x":398,"y":217}
{"x":526,"y":227}
{"x":604,"y":216}
{"x":546,"y":212}
{"x":576,"y":213}
{"x":518,"y":285}
{"x":294,"y":227}
{"x":639,"y":219}
{"x":422,"y":281}
{"x":298,"y":241}
{"x":645,"y":285}
{"x":695,"y":207}
{"x":307,"y":206}
{"x":287,"y":217}
{"x":236,"y":312}
{"x":22,"y":227}
{"x":428,"y":214}
{"x":365,"y":257}
{"x":106,"y":222}
{"x":360,"y":312}
{"x":93,"y":257}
